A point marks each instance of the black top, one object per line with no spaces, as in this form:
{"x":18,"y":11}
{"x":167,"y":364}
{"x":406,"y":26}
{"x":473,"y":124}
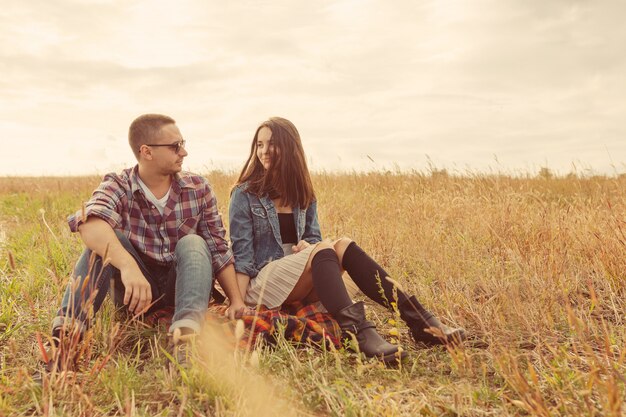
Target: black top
{"x":287,"y":228}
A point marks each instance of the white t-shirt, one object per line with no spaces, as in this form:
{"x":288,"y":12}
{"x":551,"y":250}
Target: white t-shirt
{"x":159,"y":203}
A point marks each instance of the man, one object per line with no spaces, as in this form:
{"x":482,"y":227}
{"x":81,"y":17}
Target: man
{"x":160,"y":234}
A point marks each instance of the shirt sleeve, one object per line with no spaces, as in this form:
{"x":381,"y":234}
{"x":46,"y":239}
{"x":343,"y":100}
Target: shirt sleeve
{"x":211,"y":228}
{"x":105,"y":203}
{"x":241,"y":233}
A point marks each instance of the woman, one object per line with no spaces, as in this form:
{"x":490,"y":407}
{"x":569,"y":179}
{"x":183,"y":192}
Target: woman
{"x":280,"y":256}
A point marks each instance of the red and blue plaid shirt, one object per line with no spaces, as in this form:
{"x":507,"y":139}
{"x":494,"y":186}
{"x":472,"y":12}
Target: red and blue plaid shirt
{"x":191,"y":209}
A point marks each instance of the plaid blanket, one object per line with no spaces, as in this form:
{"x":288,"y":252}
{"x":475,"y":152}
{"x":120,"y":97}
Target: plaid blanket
{"x":297,"y":322}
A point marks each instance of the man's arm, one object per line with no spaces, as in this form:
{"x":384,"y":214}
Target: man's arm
{"x":228,"y":280}
{"x":100,"y":237}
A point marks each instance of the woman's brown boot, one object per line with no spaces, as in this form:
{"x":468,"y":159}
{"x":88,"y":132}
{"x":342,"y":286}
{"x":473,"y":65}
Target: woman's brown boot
{"x":352,"y":320}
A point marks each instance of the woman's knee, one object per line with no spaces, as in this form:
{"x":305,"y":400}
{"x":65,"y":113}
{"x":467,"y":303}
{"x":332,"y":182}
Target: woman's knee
{"x":320,"y":247}
{"x":340,"y":246}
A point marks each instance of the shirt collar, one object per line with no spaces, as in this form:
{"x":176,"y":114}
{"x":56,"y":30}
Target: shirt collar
{"x":134,"y":177}
{"x":183,"y":181}
{"x":179,"y":181}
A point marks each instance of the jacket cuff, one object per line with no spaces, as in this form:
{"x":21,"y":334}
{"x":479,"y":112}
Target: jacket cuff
{"x":247,"y":269}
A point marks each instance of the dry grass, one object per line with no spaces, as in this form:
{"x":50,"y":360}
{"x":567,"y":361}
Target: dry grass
{"x":533,"y":268}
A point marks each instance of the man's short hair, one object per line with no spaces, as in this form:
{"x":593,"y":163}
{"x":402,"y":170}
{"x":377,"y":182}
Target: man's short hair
{"x":144,"y":128}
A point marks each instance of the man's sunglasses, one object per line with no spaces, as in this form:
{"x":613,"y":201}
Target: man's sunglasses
{"x":177,"y":146}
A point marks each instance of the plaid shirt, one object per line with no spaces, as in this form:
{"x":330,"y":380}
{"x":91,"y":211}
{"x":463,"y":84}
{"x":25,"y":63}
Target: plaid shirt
{"x":191,"y":209}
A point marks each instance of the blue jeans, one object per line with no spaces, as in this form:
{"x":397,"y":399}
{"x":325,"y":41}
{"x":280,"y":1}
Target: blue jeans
{"x":186,"y":284}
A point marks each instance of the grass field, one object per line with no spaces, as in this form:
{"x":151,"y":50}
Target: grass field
{"x":534,"y":268}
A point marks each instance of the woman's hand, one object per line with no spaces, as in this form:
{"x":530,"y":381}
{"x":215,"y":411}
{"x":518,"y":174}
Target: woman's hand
{"x":303,"y":244}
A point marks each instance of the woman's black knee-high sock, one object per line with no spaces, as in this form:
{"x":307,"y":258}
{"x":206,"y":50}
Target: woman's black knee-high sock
{"x":327,"y":281}
{"x":369,"y":276}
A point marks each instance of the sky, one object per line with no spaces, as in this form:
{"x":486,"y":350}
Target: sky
{"x":479,"y":86}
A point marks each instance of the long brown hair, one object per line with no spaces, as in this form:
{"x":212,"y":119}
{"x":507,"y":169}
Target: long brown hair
{"x":288,"y":176}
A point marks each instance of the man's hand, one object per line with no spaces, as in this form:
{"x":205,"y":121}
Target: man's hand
{"x":228,"y":279}
{"x":235,"y":310}
{"x":303,"y":244}
{"x":100,"y":238}
{"x":138,"y":294}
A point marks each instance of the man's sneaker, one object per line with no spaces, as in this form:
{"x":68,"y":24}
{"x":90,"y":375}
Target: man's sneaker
{"x":62,"y":351}
{"x":58,"y":352}
{"x":182,"y":342}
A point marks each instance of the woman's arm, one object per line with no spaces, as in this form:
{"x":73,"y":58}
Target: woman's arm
{"x":241,"y":234}
{"x":229,"y":282}
{"x":243,"y":281}
{"x":312,"y":233}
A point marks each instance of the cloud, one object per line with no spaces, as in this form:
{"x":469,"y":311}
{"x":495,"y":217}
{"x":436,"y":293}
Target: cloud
{"x":396,"y":81}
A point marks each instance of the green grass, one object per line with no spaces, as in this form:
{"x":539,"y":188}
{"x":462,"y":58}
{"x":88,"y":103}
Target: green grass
{"x":533,"y":268}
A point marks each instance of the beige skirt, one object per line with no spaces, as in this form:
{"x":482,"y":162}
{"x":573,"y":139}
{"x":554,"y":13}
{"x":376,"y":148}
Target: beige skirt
{"x":276,"y":280}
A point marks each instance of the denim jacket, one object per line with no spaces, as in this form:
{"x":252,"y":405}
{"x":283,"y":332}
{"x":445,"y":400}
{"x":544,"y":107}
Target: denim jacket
{"x":255,"y":231}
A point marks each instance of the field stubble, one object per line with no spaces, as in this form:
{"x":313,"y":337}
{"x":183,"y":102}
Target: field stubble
{"x":533,"y":268}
